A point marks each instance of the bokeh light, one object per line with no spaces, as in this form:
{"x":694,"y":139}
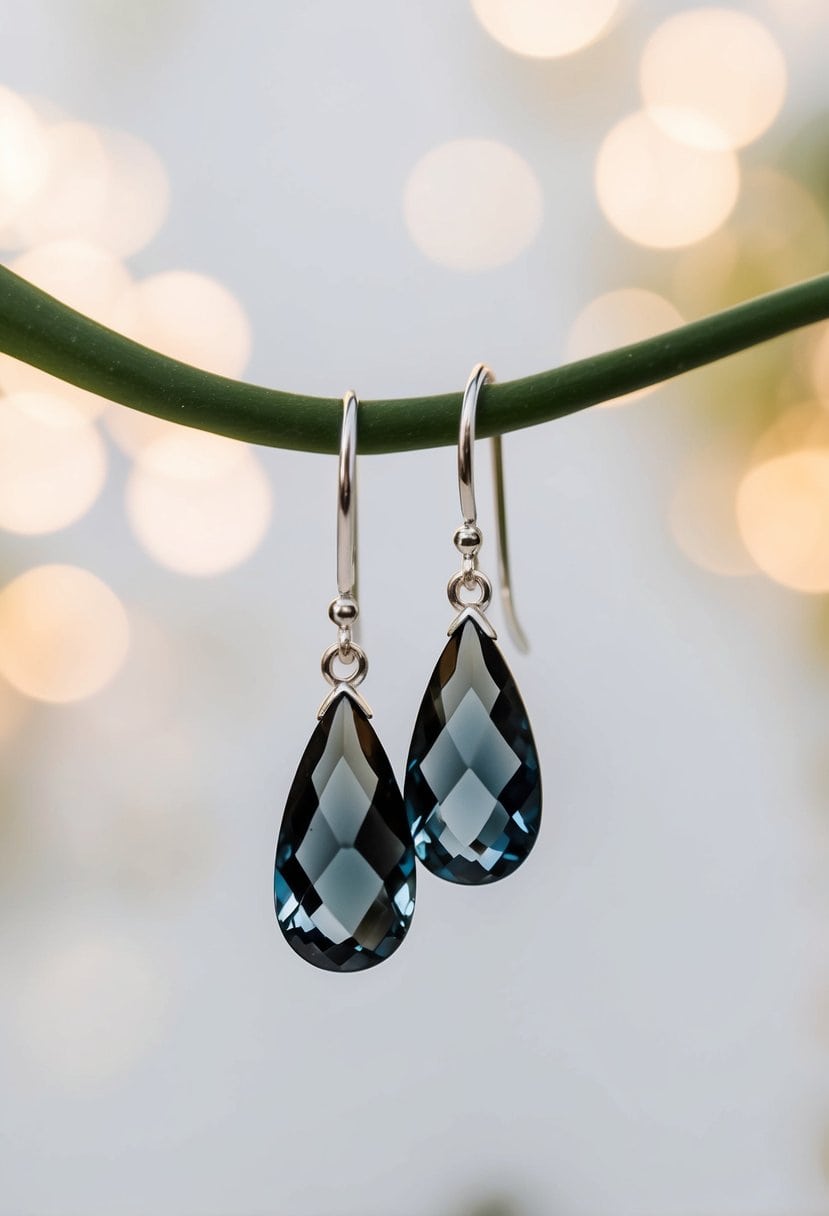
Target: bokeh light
{"x":545,"y":29}
{"x":713,"y":77}
{"x":190,"y":317}
{"x":618,"y":318}
{"x":199,"y":504}
{"x":23,"y":156}
{"x":138,"y":193}
{"x":63,"y":633}
{"x":702,"y":517}
{"x":661,"y":193}
{"x":783,"y":514}
{"x":472,"y":204}
{"x":71,"y":205}
{"x":103,"y":187}
{"x":89,"y":1007}
{"x":52,"y":463}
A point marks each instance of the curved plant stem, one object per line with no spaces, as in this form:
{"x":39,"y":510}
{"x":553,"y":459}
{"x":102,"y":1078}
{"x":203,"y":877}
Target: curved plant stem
{"x":39,"y":330}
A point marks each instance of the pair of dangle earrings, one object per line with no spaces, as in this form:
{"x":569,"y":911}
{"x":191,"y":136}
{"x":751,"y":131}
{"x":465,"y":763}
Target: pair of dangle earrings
{"x":345,"y":877}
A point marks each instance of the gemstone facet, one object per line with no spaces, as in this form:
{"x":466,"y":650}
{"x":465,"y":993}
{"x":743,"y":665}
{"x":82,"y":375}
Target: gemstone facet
{"x":344,"y":880}
{"x":473,"y":787}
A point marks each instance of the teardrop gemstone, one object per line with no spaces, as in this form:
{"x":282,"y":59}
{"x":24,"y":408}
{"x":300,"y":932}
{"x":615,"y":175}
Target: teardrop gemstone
{"x":344,"y":880}
{"x":473,"y":787}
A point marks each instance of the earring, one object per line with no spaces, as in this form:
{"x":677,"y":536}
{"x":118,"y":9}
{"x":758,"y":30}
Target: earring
{"x":473,"y":787}
{"x":344,"y":879}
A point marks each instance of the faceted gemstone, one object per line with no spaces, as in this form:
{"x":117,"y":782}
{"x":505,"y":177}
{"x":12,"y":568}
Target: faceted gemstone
{"x":472,"y":789}
{"x":344,"y":881}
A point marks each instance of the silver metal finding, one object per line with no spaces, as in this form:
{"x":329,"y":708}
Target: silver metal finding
{"x":468,"y":537}
{"x":357,"y":657}
{"x":514,"y":628}
{"x":480,"y":375}
{"x":461,"y":582}
{"x":347,"y":499}
{"x":344,"y":610}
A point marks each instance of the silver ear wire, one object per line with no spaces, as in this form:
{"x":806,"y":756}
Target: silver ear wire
{"x":468,"y":537}
{"x":514,"y":628}
{"x":347,"y":499}
{"x":344,"y":610}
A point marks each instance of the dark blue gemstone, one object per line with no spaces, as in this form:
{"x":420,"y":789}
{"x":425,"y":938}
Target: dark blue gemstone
{"x":344,"y":881}
{"x":473,"y":788}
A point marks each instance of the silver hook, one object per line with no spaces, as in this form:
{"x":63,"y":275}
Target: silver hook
{"x":343,"y":610}
{"x":480,"y":376}
{"x":347,"y":500}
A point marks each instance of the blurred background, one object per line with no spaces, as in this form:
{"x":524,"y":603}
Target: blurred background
{"x":320,"y":196}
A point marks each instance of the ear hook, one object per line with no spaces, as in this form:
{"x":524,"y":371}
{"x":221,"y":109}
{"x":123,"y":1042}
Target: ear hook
{"x":343,"y":610}
{"x":347,"y":500}
{"x":480,"y":376}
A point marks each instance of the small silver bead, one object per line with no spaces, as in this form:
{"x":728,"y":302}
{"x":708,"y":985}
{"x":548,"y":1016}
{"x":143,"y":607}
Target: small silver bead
{"x":343,"y":611}
{"x":468,"y":539}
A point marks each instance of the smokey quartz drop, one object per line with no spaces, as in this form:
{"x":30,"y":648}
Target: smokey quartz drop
{"x":344,"y":880}
{"x":473,"y":787}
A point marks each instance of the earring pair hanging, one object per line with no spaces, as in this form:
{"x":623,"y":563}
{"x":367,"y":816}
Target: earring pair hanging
{"x":345,"y":878}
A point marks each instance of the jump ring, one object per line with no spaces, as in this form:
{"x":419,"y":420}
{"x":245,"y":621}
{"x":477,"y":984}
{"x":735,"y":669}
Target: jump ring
{"x":467,"y":581}
{"x":356,"y":654}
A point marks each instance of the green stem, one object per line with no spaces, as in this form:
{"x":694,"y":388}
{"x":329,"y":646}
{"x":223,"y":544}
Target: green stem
{"x":39,"y":330}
